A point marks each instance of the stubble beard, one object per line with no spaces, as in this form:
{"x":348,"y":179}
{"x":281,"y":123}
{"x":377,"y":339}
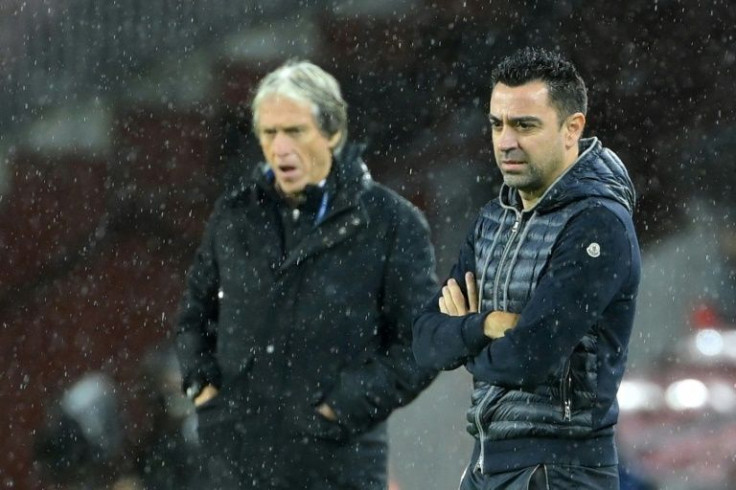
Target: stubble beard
{"x":529,"y":181}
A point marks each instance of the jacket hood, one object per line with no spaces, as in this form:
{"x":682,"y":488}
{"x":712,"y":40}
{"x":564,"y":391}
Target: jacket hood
{"x":349,"y":166}
{"x":598,"y":172}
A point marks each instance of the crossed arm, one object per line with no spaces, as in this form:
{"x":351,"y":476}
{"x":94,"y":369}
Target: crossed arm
{"x":453,"y":303}
{"x":451,"y":331}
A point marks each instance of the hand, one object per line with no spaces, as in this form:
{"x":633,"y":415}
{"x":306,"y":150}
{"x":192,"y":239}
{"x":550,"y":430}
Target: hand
{"x":207,"y":394}
{"x":327,"y":412}
{"x":496,"y":324}
{"x":453,"y":301}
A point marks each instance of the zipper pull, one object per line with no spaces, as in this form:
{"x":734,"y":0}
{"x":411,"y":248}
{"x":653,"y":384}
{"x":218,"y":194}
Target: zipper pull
{"x":568,"y":410}
{"x":515,"y":228}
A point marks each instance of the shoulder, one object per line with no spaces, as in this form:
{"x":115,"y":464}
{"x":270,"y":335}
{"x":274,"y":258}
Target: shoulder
{"x":604,"y":214}
{"x":493,"y":210}
{"x":381,"y":201}
{"x":232,"y":204}
{"x":604,"y":225}
{"x":238,"y":195}
{"x":492,"y":206}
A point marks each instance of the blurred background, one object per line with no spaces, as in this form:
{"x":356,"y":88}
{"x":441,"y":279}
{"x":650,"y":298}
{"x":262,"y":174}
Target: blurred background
{"x":121,"y":122}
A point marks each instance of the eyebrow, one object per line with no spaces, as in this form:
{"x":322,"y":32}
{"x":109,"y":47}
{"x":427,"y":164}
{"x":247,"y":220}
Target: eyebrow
{"x":516,"y":120}
{"x":276,"y":127}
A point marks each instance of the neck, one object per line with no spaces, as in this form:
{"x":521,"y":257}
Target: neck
{"x":293,"y":200}
{"x":528,"y":200}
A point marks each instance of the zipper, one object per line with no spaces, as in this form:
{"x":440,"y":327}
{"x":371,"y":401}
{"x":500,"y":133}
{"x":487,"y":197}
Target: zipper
{"x":499,"y":269}
{"x":481,"y":433}
{"x":566,"y":393}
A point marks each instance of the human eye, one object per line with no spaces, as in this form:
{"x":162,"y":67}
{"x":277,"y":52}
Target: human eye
{"x":524,"y":125}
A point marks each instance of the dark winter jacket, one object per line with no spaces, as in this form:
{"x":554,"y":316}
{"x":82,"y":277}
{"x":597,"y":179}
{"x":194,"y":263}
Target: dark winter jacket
{"x":283,"y":316}
{"x":546,"y":392}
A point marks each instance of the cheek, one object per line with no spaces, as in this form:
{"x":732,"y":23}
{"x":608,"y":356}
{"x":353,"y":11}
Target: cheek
{"x":541,"y":144}
{"x":318,"y":152}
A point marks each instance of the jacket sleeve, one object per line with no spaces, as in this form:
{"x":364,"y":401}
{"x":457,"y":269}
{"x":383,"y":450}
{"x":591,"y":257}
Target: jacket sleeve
{"x":594,"y":261}
{"x":446,"y":342}
{"x":197,"y":317}
{"x":373,"y":386}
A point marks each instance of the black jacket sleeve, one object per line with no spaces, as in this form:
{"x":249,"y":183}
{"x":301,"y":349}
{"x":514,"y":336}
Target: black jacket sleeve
{"x":593,"y":263}
{"x":198,"y":313}
{"x":372,"y":387}
{"x":446,"y":342}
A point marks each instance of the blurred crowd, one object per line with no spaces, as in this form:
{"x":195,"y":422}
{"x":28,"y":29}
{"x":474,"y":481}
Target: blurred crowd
{"x":141,"y":436}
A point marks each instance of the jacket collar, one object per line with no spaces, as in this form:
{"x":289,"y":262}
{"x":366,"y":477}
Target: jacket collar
{"x":597,"y":172}
{"x":344,"y":215}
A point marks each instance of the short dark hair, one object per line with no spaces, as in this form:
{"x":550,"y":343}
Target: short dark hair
{"x":567,"y":92}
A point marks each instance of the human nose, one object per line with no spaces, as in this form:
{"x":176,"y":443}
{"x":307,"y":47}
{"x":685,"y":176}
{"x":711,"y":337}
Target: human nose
{"x":506,"y":139}
{"x":281,"y":144}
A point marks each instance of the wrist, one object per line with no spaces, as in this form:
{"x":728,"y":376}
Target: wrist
{"x":472,"y":331}
{"x":194,"y":390}
{"x":497,"y":323}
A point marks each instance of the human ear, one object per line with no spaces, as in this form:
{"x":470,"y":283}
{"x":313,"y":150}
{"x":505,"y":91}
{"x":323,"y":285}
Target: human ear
{"x":574,"y":125}
{"x":334,"y":140}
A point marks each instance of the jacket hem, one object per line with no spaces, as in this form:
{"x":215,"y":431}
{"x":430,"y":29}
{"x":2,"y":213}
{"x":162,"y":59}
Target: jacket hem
{"x":514,"y":454}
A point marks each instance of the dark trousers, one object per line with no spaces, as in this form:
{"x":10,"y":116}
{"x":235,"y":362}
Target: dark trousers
{"x":544,"y":477}
{"x":242,"y":456}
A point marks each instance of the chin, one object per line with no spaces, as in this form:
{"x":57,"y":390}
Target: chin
{"x":290,"y":187}
{"x":514,"y":181}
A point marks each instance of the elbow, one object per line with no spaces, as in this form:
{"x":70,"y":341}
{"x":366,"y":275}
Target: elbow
{"x":428,"y":356}
{"x":429,"y":361}
{"x":422,"y":356}
{"x":431,"y":349}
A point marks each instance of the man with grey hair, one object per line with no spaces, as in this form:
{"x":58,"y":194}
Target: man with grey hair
{"x":294,"y":333}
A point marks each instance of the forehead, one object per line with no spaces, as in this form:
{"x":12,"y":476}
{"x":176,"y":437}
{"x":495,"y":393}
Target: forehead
{"x":278,"y":110}
{"x":529,"y":99}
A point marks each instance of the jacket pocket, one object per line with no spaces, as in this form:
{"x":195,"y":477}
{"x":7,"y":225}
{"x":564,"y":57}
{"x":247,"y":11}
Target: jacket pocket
{"x":211,"y":414}
{"x":229,"y":401}
{"x":313,"y":424}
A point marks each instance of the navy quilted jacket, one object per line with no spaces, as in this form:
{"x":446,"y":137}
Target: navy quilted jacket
{"x":570,"y":266}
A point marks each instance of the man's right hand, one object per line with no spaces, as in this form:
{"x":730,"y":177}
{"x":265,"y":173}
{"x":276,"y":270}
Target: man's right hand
{"x":496,"y":323}
{"x":453,"y":302}
{"x":207,"y":394}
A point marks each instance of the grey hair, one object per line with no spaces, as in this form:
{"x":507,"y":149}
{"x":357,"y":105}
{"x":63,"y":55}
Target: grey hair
{"x":306,"y":82}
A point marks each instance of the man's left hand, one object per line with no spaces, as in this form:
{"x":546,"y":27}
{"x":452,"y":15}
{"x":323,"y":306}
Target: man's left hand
{"x":327,"y":412}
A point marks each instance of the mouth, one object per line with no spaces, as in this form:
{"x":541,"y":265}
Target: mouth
{"x":288,"y":171}
{"x":511,"y":165}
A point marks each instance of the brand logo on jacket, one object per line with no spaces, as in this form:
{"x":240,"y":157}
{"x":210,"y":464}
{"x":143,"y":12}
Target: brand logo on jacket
{"x":594,"y":250}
